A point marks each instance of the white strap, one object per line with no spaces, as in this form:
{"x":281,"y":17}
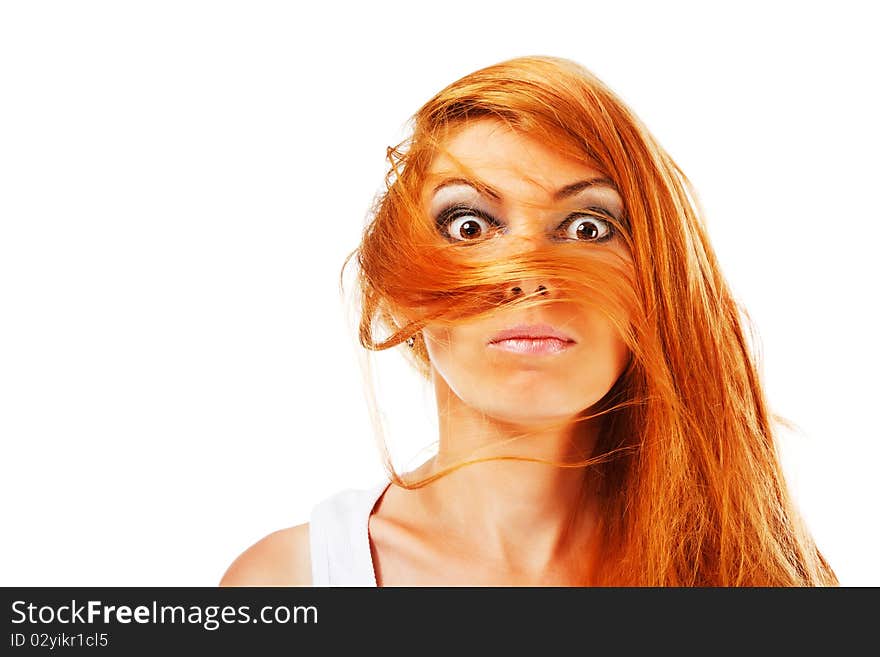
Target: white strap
{"x":339,"y":539}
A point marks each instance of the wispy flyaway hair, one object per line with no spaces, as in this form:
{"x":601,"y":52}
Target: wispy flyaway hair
{"x":692,"y":492}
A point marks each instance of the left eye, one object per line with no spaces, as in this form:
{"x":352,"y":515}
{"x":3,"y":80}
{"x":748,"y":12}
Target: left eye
{"x":588,"y":227}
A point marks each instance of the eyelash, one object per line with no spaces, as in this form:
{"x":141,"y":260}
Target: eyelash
{"x":454,"y":212}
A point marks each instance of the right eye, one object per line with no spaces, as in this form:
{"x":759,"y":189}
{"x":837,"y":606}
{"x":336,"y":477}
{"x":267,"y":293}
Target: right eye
{"x":464,"y":224}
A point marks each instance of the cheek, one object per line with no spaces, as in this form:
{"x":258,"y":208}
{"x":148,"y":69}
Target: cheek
{"x":605,"y":347}
{"x":437,"y":343}
{"x":458,"y":357}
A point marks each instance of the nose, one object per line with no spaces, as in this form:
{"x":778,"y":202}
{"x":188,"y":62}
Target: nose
{"x":529,"y":285}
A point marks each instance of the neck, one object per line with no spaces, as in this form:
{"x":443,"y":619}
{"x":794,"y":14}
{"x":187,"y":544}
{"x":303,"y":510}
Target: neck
{"x":523,"y":516}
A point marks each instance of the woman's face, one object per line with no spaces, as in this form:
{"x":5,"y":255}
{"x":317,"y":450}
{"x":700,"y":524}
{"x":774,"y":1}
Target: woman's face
{"x":525,"y":175}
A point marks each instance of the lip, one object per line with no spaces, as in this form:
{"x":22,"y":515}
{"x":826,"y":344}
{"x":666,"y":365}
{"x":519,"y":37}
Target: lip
{"x":532,"y":346}
{"x":532,"y":332}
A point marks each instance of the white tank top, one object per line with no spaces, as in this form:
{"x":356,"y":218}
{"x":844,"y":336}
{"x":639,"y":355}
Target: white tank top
{"x":339,"y":538}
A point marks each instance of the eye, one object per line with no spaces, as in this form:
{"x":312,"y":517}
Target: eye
{"x":464,"y":224}
{"x":589,"y":227}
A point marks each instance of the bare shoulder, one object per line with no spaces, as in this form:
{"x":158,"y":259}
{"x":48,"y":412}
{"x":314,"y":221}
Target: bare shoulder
{"x":280,"y":559}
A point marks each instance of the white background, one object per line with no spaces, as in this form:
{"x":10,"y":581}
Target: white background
{"x":177,"y":374}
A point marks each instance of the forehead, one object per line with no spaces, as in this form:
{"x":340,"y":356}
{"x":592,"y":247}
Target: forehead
{"x":504,"y":158}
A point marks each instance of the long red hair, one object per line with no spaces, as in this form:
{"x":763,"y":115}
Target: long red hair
{"x":689,"y":479}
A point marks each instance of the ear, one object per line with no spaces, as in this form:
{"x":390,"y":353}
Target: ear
{"x":402,"y":316}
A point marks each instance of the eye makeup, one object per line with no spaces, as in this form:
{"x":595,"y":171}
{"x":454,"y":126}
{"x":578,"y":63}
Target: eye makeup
{"x":458,"y":210}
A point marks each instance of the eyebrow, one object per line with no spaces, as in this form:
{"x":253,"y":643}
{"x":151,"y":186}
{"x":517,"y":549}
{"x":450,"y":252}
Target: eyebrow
{"x":564,"y":192}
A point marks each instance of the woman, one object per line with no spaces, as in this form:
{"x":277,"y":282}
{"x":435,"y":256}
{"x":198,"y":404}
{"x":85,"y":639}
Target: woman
{"x":601,"y":415}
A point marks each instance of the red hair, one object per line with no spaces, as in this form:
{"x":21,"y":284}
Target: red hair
{"x":689,"y":479}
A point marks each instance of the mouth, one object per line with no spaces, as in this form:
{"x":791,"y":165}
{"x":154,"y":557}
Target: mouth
{"x":532,"y":340}
{"x":532,"y":346}
{"x":531,"y":332}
